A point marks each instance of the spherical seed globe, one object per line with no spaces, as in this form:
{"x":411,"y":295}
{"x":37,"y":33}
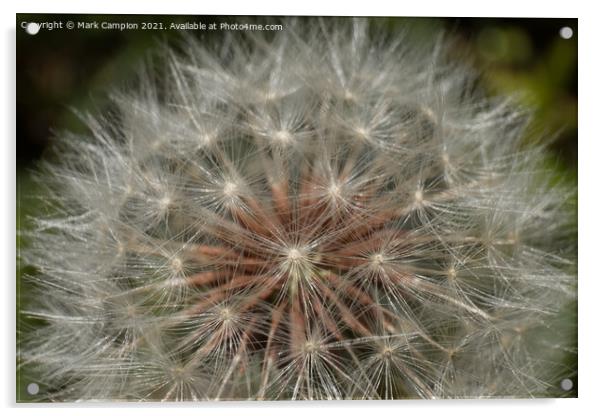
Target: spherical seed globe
{"x":325,"y":213}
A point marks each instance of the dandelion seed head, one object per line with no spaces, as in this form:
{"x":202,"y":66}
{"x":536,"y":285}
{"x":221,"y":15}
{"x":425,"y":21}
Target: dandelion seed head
{"x":328,"y":213}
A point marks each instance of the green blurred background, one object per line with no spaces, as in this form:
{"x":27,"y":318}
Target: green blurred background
{"x":61,"y":70}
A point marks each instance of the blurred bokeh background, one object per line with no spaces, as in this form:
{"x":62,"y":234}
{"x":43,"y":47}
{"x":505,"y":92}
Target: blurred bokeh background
{"x":61,"y":70}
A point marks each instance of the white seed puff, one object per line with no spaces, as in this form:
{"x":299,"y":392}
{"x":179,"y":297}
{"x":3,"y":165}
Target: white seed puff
{"x":325,"y":212}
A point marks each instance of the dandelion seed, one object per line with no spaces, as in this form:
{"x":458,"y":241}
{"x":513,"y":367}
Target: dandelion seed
{"x":283,"y":137}
{"x":230,"y":189}
{"x":419,"y":197}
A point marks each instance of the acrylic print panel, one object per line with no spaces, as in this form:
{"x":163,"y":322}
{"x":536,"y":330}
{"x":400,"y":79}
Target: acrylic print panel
{"x":234,"y":208}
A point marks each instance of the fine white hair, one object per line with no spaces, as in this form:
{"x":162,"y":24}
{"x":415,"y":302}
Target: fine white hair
{"x":325,"y":212}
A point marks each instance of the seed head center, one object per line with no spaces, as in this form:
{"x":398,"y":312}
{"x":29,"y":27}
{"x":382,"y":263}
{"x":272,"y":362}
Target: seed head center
{"x":176,"y":264}
{"x":378,"y":259}
{"x":283,"y":137}
{"x":419,"y":196}
{"x":335,"y":190}
{"x":311,"y":347}
{"x":387,"y":352}
{"x":230,"y":189}
{"x":165,"y":202}
{"x":226,"y":315}
{"x":206,"y":139}
{"x":294,"y":254}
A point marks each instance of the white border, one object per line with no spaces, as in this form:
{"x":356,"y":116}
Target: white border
{"x":467,"y":8}
{"x":590,"y":197}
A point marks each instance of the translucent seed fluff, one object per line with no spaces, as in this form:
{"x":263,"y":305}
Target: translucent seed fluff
{"x":326,"y":212}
